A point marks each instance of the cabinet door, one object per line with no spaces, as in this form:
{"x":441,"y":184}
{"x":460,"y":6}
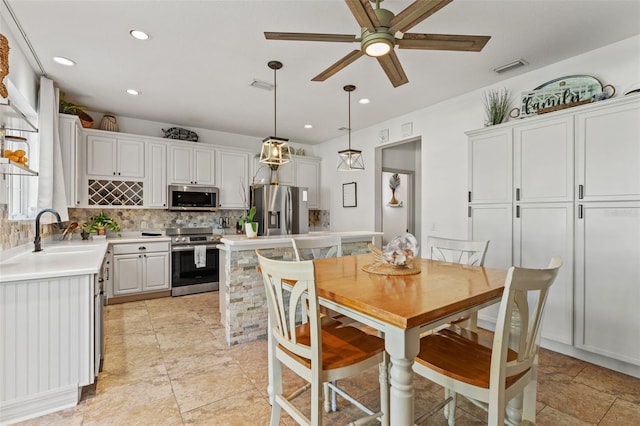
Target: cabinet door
{"x":608,"y":148}
{"x":490,"y":167}
{"x":543,"y":161}
{"x":204,"y":161}
{"x":308,"y":175}
{"x":69,"y":137}
{"x":286,"y":173}
{"x":607,"y":279}
{"x":232,"y":169}
{"x":156,"y":271}
{"x":493,"y":222}
{"x":127,"y":274}
{"x":130,"y":154}
{"x":101,"y":155}
{"x":260,"y":173}
{"x":541,"y":231}
{"x":180,"y":164}
{"x":155,"y":192}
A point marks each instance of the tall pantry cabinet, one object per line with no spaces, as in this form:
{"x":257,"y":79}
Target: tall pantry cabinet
{"x":568,"y":184}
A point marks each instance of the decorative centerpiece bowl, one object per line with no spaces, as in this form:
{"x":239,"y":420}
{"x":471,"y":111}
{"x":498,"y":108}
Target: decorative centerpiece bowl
{"x":399,"y":253}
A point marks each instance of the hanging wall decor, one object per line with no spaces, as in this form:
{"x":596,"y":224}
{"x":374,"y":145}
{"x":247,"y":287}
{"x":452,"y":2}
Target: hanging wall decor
{"x":4,"y":64}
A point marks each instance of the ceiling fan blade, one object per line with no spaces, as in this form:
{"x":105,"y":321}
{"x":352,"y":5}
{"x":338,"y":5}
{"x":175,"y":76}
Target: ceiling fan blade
{"x":342,"y":63}
{"x":416,"y":13}
{"x":341,"y":38}
{"x":364,"y":14}
{"x":391,"y":66}
{"x":464,"y":43}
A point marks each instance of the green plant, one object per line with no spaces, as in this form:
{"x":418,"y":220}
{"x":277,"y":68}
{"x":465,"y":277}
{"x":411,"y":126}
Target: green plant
{"x":67,"y":107}
{"x":496,"y":103}
{"x":102,"y":221}
{"x":249,"y":219}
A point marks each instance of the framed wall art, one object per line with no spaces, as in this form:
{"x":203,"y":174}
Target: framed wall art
{"x":350,"y":194}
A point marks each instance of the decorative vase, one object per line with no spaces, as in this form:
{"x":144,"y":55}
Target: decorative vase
{"x":251,"y":229}
{"x":274,"y":176}
{"x":109,"y":123}
{"x":101,"y":231}
{"x":393,"y":197}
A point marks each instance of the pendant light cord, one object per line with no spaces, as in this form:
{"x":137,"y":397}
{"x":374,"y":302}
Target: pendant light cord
{"x":275,"y":105}
{"x":349,"y":120}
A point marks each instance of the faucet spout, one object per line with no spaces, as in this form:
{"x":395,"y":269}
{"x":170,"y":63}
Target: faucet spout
{"x":36,"y":242}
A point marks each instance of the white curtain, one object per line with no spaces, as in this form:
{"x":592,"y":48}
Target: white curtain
{"x":51,"y":189}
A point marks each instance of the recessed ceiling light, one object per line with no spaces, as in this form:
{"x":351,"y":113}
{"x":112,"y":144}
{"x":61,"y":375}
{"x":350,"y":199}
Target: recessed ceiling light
{"x":308,"y":126}
{"x":133,"y":92}
{"x":64,"y":61}
{"x":364,"y":101}
{"x":139,"y":34}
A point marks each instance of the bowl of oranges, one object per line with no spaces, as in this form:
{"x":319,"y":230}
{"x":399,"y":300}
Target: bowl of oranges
{"x":17,"y":156}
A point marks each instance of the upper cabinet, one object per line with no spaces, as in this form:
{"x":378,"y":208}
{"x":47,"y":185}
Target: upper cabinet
{"x":114,"y":156}
{"x":307,"y":174}
{"x":490,"y":166}
{"x":191,"y":165}
{"x":608,"y":153}
{"x":155,"y":194}
{"x":232,"y":175}
{"x":70,"y":136}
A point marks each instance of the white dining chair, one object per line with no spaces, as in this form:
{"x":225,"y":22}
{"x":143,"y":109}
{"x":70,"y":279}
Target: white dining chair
{"x":306,"y":248}
{"x":319,"y":351}
{"x":490,"y":369}
{"x":466,"y":252}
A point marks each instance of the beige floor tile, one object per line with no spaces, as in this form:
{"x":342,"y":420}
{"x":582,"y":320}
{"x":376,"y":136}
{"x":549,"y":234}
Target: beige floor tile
{"x":622,"y":413}
{"x":145,"y":362}
{"x":549,"y":416}
{"x":202,"y":388}
{"x":142,"y":340}
{"x":611,"y":382}
{"x":245,"y":408}
{"x":161,"y":412}
{"x":554,"y":363}
{"x":126,"y":325}
{"x":120,"y":392}
{"x":201,"y":359}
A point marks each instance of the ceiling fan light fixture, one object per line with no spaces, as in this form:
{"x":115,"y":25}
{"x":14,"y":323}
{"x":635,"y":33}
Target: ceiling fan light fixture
{"x":350,"y":160}
{"x":377,"y":44}
{"x":275,"y":150}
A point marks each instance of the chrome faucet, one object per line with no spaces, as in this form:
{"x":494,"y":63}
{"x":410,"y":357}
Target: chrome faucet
{"x":36,"y":241}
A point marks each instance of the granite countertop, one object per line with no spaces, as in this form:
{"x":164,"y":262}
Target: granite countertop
{"x":241,"y":242}
{"x":57,"y":259}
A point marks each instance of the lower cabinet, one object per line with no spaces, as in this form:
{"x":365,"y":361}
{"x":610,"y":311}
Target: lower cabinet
{"x":140,"y":267}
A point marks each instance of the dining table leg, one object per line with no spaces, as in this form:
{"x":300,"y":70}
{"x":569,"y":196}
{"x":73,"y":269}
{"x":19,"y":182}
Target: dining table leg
{"x":402,"y":346}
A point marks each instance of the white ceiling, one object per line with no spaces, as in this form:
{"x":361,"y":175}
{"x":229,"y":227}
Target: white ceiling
{"x":196,"y":68}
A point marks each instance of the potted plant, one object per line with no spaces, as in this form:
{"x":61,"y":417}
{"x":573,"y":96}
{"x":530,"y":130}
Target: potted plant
{"x":85,"y":230}
{"x":496,"y":103}
{"x":67,"y":107}
{"x":101,"y":223}
{"x":246,"y":222}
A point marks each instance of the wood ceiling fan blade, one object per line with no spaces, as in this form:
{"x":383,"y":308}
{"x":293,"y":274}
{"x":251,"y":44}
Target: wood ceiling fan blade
{"x":364,"y":14}
{"x":341,"y":38}
{"x":391,"y":66}
{"x":416,"y":13}
{"x":464,"y":43}
{"x":342,"y":63}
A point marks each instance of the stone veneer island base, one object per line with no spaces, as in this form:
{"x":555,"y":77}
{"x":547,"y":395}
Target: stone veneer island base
{"x":243,"y":308}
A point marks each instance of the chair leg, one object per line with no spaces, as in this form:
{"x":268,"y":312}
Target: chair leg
{"x":529,"y":401}
{"x":450,"y":408}
{"x":276,"y":410}
{"x":327,"y":397}
{"x":334,"y":400}
{"x":316,"y":404}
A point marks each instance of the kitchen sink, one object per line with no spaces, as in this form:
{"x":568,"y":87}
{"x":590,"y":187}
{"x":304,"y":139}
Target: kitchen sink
{"x":63,"y":248}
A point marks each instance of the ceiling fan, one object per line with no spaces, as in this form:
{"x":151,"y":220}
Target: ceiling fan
{"x":382,"y":30}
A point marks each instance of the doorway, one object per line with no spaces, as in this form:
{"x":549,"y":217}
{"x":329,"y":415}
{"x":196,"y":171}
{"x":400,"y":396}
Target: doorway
{"x":404,"y":158}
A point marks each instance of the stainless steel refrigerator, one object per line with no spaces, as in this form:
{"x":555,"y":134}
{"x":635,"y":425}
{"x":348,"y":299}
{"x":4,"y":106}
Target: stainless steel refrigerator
{"x":281,"y":209}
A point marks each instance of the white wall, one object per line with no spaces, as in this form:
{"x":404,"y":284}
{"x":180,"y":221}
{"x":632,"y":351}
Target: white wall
{"x":444,"y":143}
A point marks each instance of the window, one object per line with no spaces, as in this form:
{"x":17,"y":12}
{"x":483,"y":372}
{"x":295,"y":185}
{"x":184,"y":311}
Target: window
{"x":22,"y":191}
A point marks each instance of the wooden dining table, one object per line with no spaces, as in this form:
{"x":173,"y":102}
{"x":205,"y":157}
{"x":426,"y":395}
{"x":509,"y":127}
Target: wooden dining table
{"x":403,"y":307}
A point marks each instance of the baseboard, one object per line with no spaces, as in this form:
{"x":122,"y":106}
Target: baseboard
{"x":39,"y":404}
{"x":139,"y":296}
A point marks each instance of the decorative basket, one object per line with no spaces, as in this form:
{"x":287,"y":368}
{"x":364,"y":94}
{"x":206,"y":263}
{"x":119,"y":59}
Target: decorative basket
{"x":109,"y":123}
{"x":85,"y":119}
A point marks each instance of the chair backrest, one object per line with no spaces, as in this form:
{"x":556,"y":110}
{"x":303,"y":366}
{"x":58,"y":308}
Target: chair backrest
{"x":524,"y":296}
{"x":291,"y":288}
{"x":457,"y":251}
{"x":317,"y":247}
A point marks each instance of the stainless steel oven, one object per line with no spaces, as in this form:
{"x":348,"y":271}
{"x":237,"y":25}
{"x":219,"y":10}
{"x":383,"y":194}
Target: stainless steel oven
{"x":194,"y":260}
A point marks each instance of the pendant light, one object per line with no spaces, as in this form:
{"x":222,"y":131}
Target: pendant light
{"x":275,"y":150}
{"x":350,"y":159}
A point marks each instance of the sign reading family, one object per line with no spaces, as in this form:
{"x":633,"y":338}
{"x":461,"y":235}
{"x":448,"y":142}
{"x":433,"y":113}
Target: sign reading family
{"x":561,"y":93}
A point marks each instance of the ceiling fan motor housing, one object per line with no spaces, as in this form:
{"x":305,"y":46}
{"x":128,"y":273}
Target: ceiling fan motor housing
{"x":381,"y":41}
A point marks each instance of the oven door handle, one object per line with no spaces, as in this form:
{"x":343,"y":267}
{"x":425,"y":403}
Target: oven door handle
{"x":192,"y":247}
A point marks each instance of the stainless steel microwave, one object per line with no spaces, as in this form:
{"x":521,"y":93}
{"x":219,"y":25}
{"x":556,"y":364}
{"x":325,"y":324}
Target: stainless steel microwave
{"x":193,"y":198}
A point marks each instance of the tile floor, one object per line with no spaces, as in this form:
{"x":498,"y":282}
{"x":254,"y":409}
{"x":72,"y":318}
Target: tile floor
{"x":167,"y":363}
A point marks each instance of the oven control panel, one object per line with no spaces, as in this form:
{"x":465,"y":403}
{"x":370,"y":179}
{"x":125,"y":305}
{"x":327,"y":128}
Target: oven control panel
{"x":197,"y":239}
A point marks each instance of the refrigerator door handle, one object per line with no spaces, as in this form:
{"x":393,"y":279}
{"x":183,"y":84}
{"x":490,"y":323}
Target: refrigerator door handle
{"x":289,"y":209}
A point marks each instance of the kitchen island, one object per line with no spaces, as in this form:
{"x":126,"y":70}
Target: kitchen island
{"x":50,"y":316}
{"x":243,"y":307}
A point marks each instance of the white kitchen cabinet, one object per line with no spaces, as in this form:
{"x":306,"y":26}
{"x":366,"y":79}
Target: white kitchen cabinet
{"x":140,"y":267}
{"x":113,"y":156}
{"x":286,"y":173}
{"x":491,"y":166}
{"x":155,"y":193}
{"x":232,"y":169}
{"x":70,"y":138}
{"x":191,"y":165}
{"x":607,"y":268}
{"x":307,"y":174}
{"x":608,"y":152}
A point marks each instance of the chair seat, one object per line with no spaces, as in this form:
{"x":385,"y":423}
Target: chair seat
{"x":341,"y":346}
{"x":463,"y":355}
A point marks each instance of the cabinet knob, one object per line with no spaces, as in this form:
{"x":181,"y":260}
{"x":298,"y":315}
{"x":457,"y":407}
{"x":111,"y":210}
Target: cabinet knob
{"x":142,"y":248}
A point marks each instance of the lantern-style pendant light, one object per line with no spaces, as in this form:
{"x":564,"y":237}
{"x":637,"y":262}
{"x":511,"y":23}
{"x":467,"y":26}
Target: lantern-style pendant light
{"x":275,"y":150}
{"x":350,"y":159}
